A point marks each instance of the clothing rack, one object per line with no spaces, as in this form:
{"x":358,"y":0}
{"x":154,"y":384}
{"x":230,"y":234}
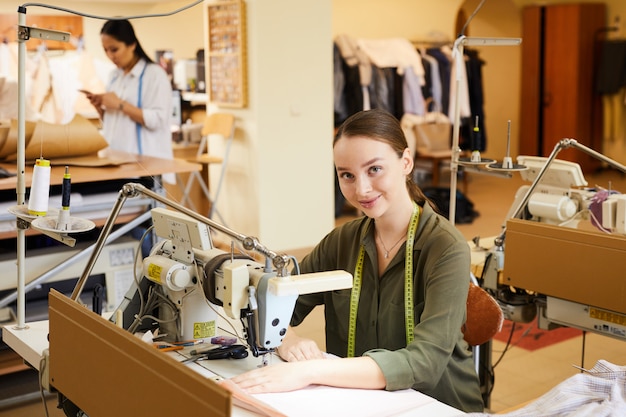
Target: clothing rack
{"x":424,"y":43}
{"x":435,"y":94}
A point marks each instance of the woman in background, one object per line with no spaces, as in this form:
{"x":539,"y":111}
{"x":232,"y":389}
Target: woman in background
{"x":137,"y":107}
{"x":405,"y":258}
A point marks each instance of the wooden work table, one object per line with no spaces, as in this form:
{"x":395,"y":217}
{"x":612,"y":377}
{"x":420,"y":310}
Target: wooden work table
{"x":135,"y":166}
{"x":118,"y":166}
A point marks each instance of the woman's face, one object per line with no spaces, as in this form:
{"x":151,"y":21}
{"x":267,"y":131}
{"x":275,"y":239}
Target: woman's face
{"x":371,"y":175}
{"x":122,"y":55}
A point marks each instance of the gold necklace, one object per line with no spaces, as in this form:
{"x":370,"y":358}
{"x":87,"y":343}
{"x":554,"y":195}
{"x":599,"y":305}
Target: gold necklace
{"x":391,"y":248}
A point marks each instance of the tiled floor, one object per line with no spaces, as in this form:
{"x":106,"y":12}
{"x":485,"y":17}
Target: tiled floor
{"x":521,"y":375}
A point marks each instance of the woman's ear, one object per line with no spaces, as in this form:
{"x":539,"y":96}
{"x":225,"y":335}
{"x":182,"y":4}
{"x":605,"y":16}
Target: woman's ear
{"x":407,"y":159}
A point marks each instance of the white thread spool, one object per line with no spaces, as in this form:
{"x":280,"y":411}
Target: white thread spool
{"x":40,"y":188}
{"x":553,"y":207}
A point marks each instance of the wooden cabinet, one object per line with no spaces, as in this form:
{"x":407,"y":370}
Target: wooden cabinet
{"x":560,"y":51}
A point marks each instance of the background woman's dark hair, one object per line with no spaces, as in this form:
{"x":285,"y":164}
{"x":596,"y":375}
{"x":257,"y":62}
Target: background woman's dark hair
{"x":123,"y":31}
{"x":381,"y":125}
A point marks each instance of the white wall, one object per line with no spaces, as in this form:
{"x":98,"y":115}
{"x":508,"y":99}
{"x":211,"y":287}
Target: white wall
{"x":411,"y":19}
{"x":280,"y":186}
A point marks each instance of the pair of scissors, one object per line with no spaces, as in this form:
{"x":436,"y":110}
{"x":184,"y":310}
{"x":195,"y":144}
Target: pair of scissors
{"x":220,"y":352}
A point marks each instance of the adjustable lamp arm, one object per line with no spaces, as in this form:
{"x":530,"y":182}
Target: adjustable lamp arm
{"x":280,"y":262}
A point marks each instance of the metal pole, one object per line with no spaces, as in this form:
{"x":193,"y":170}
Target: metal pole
{"x":104,"y":235}
{"x":21,"y":163}
{"x":457,"y":53}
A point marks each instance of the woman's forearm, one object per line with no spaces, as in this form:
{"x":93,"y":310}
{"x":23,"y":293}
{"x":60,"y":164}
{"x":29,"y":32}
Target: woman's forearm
{"x":133,"y":112}
{"x":361,"y":372}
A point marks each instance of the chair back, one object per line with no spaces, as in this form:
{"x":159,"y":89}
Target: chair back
{"x":219,"y":123}
{"x":222,"y":124}
{"x":484,"y":317}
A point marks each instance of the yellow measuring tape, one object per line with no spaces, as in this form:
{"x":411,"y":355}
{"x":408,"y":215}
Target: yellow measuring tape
{"x":408,"y":286}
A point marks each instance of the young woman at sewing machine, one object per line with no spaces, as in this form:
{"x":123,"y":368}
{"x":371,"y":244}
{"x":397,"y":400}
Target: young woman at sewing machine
{"x":404,"y":257}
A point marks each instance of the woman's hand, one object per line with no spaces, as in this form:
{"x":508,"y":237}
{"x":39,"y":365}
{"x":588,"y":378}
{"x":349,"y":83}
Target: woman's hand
{"x":280,"y":377}
{"x":110,"y":101}
{"x":94,"y":99}
{"x":295,"y":348}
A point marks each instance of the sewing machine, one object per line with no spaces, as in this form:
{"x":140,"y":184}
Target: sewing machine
{"x":185,"y":284}
{"x":559,"y":258}
{"x":192,"y":282}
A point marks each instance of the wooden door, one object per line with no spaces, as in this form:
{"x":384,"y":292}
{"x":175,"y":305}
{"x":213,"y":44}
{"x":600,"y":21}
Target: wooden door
{"x":559,"y":48}
{"x":568,"y":101}
{"x":532,"y":78}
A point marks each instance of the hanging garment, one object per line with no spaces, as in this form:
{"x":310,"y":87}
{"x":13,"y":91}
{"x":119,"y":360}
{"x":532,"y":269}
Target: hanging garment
{"x":433,"y":88}
{"x":354,"y":57}
{"x":396,"y":53}
{"x":413,"y":100}
{"x":611,"y":75}
{"x":445,"y":68}
{"x":474,"y":66}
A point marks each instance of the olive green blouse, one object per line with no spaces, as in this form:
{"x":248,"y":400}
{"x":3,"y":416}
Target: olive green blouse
{"x":438,"y":362}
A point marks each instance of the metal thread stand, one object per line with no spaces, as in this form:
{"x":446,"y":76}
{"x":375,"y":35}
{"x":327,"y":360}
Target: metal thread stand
{"x":457,"y":54}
